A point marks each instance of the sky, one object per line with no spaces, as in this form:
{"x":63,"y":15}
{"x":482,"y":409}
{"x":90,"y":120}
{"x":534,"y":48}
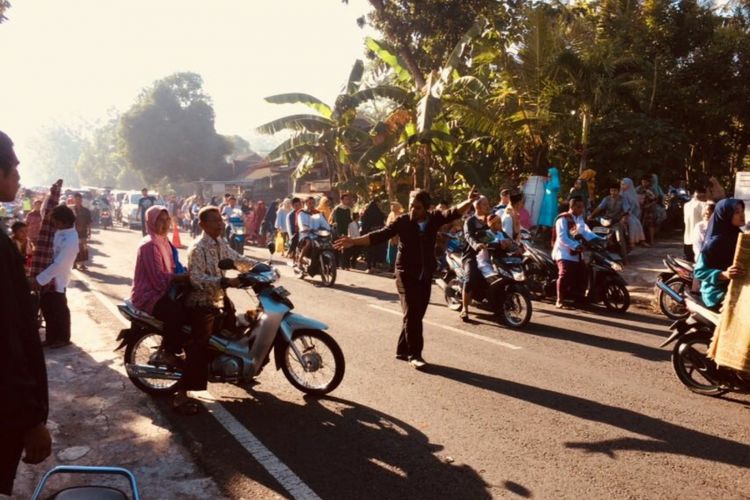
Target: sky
{"x":72,"y":61}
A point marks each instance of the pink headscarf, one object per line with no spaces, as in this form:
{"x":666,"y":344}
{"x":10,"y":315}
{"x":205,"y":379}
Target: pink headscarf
{"x":160,"y":240}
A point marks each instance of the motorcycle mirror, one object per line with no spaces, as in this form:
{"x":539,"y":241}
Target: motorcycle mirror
{"x":226,"y":264}
{"x":271,"y":247}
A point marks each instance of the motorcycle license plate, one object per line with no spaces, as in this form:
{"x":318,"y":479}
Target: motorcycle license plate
{"x":282,"y":292}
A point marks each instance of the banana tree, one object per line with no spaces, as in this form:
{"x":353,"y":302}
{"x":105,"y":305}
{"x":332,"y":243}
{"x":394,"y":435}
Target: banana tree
{"x":429,"y":132}
{"x":333,"y":135}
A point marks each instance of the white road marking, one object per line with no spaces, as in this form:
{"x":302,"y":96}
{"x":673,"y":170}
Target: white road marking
{"x":287,"y":479}
{"x":454,"y":330}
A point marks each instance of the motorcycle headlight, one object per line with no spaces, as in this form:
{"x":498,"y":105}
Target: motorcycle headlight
{"x":616,"y":266}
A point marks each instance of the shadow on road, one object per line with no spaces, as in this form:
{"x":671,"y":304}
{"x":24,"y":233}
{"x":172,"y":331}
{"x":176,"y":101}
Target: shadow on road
{"x":342,"y":449}
{"x":368,"y":292}
{"x":598,"y":318}
{"x":638,"y":350}
{"x":661,"y":436}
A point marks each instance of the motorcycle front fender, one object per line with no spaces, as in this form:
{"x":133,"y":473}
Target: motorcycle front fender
{"x":291,"y":323}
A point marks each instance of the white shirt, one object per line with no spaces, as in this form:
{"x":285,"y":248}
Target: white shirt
{"x":564,"y":243}
{"x":693,"y":213}
{"x":311,"y":222}
{"x":507,"y":224}
{"x":699,"y":236}
{"x":65,"y":250}
{"x":353,"y":229}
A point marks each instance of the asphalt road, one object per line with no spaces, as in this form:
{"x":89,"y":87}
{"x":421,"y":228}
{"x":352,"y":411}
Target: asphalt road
{"x":577,"y":404}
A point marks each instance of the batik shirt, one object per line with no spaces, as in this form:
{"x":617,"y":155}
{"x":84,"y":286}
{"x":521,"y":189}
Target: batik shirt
{"x":205,"y":276}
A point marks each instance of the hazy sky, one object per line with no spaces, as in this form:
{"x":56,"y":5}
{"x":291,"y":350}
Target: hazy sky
{"x":75,"y":59}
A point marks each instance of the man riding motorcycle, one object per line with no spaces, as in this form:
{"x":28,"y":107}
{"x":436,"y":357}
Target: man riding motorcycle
{"x":309,"y":221}
{"x":567,"y":250}
{"x":204,"y":301}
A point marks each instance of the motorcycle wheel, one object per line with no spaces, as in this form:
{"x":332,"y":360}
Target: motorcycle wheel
{"x":670,"y":307}
{"x":322,"y":367}
{"x":328,"y":268}
{"x":453,"y":294}
{"x":616,"y":296}
{"x":138,"y":351}
{"x":515,"y":307}
{"x":535,"y":278}
{"x":691,"y":364}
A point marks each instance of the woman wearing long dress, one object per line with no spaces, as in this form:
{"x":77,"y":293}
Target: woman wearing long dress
{"x":550,"y":203}
{"x":632,"y":208}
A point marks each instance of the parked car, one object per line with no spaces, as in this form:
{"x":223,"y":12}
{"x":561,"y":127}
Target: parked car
{"x":130,"y":213}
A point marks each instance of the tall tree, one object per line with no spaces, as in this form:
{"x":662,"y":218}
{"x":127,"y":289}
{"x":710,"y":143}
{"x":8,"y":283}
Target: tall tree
{"x":169,"y":132}
{"x":55,"y":153}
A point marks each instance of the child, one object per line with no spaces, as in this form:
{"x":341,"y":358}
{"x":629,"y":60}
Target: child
{"x":495,"y":233}
{"x":20,"y":236}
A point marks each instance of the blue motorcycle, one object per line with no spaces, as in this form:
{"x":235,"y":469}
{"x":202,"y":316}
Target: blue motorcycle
{"x":309,"y":357}
{"x":237,"y":233}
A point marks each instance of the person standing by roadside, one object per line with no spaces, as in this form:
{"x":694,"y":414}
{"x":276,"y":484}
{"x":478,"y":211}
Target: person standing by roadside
{"x":372,"y":220}
{"x":341,"y":217}
{"x":293,"y":228}
{"x":649,"y":204}
{"x":20,"y":236}
{"x":693,"y":212}
{"x":144,"y":204}
{"x":34,"y":221}
{"x":23,"y":375}
{"x":504,"y":202}
{"x":53,"y":302}
{"x":83,"y":227}
{"x":415,"y":263}
{"x":566,"y":252}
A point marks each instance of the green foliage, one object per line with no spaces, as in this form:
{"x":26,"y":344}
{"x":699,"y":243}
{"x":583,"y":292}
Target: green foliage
{"x":55,"y":153}
{"x":169,"y":133}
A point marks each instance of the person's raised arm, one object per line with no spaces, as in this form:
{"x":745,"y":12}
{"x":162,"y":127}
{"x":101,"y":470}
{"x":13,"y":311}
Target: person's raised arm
{"x":464,"y":206}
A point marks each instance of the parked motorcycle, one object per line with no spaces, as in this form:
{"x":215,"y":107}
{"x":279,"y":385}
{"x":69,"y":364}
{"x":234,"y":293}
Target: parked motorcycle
{"x":692,"y":337}
{"x":89,"y":492}
{"x":604,"y":228}
{"x":605,"y":284}
{"x":505,"y":294}
{"x":309,"y":357}
{"x":237,"y":232}
{"x":322,"y":258}
{"x":680,"y":279}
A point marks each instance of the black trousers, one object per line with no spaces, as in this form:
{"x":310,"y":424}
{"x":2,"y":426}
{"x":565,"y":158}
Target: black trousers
{"x":172,"y":313}
{"x":10,"y":455}
{"x":415,"y":297}
{"x":202,"y":323}
{"x":56,"y":316}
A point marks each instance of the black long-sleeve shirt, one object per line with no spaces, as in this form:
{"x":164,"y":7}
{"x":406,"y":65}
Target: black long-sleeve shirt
{"x":416,"y":247}
{"x":23,"y":374}
{"x":475,"y":232}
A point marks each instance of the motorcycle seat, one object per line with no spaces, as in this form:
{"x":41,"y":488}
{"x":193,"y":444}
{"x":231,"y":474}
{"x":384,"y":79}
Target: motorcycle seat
{"x":683,"y":264}
{"x":696,"y":305}
{"x":142,"y":315}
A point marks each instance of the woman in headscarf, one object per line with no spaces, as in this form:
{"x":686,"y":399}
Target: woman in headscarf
{"x":632,"y":208}
{"x":256,"y":219}
{"x":267,"y":228}
{"x":579,"y":189}
{"x":550,"y":203}
{"x":372,"y":220}
{"x":390,"y":257}
{"x":715,"y":191}
{"x":588,"y":180}
{"x":157,"y":268}
{"x":660,"y":211}
{"x":714,"y":267}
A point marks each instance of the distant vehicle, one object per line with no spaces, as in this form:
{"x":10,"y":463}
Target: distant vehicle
{"x":130,"y":213}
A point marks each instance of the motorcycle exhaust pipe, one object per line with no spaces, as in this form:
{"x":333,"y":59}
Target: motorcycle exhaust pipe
{"x":668,"y":290}
{"x":145,"y":371}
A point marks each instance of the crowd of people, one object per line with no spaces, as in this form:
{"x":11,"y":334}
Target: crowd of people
{"x":50,"y":239}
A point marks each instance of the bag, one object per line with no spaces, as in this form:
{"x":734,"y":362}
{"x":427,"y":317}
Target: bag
{"x":279,"y":242}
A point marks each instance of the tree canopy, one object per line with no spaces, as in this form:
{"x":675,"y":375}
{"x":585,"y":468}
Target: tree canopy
{"x":169,"y":132}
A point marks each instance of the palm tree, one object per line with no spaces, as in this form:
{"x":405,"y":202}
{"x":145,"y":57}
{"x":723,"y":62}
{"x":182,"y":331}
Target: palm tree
{"x":332,"y":135}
